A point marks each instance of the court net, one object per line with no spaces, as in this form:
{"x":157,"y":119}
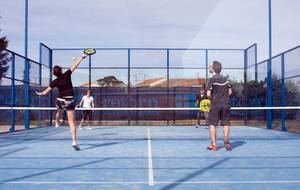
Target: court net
{"x":279,"y":118}
{"x":106,"y":122}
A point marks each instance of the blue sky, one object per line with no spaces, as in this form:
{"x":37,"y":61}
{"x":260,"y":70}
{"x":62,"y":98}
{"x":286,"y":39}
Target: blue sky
{"x":155,"y":23}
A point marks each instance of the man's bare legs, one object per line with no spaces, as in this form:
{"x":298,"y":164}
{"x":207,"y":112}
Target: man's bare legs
{"x":226,"y":130}
{"x":213,"y":138}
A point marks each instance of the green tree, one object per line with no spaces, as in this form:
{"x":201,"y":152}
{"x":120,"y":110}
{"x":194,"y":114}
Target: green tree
{"x":110,"y":81}
{"x":4,"y":58}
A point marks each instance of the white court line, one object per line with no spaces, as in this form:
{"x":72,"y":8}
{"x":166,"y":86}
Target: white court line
{"x":150,"y":163}
{"x":224,"y":182}
{"x":156,"y":182}
{"x":74,"y":182}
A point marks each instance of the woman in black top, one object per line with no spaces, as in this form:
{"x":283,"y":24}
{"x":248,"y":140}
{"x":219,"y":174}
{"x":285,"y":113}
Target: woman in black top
{"x":65,"y":99}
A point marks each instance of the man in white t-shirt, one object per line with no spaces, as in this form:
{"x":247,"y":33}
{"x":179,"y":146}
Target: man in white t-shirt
{"x":87,"y":101}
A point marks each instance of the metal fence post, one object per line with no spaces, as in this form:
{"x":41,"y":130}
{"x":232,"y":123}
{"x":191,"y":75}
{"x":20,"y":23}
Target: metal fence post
{"x":90,"y":72}
{"x":27,"y":93}
{"x":283,"y":94}
{"x":50,"y":94}
{"x":168,"y":85}
{"x":13,"y":101}
{"x":206,"y":66}
{"x":269,"y":93}
{"x":256,"y":85}
{"x":128,"y":87}
{"x":40,"y":84}
{"x":245,"y":85}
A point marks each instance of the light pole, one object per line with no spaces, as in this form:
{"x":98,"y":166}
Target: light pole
{"x":26,"y":29}
{"x":269,"y":68}
{"x":270,"y":28}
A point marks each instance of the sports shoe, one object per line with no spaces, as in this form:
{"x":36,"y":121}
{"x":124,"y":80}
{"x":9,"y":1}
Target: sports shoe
{"x":76,"y":146}
{"x":56,"y":126}
{"x":227,"y":145}
{"x":197,"y":125}
{"x":79,"y":127}
{"x":89,"y":128}
{"x":212,"y":147}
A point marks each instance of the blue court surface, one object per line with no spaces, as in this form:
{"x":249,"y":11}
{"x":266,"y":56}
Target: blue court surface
{"x":148,"y":158}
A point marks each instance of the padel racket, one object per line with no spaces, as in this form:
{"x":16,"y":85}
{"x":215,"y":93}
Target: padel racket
{"x":89,"y":51}
{"x":205,"y":105}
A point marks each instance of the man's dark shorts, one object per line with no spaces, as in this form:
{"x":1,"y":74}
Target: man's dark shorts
{"x":219,"y":112}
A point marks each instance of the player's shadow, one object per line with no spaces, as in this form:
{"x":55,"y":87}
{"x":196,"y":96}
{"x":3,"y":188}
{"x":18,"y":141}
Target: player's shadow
{"x":235,"y":144}
{"x":88,"y":146}
{"x":92,"y":146}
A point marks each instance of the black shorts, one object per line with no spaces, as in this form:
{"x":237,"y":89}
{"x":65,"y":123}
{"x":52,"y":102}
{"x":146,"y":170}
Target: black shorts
{"x":219,"y":112}
{"x":66,"y":104}
{"x":87,"y":114}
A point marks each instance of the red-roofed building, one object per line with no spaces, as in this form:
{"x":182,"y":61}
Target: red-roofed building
{"x":162,"y":82}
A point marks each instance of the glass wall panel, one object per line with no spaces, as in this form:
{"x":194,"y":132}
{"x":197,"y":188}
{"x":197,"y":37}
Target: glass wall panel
{"x":34,"y":73}
{"x":45,"y":76}
{"x":65,"y":58}
{"x":293,"y":99}
{"x":187,"y":58}
{"x":292,"y":65}
{"x":6,"y":62}
{"x":148,"y":58}
{"x":110,"y":58}
{"x":109,"y":77}
{"x":19,"y":67}
{"x":228,"y":58}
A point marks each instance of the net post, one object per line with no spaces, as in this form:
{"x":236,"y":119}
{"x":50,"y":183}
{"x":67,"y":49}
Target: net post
{"x":283,"y":94}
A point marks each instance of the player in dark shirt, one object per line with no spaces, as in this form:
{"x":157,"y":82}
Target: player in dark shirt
{"x":218,"y":90}
{"x":65,"y":99}
{"x":200,"y":113}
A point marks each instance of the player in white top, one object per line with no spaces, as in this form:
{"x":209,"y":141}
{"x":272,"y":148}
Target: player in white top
{"x":87,"y":101}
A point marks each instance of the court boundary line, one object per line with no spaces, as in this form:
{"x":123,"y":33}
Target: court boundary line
{"x":150,"y":162}
{"x":157,"y":182}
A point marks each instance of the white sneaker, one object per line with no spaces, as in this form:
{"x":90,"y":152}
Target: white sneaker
{"x":197,"y":125}
{"x":89,"y":128}
{"x":56,"y":126}
{"x":80,"y":127}
{"x":75,"y":146}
